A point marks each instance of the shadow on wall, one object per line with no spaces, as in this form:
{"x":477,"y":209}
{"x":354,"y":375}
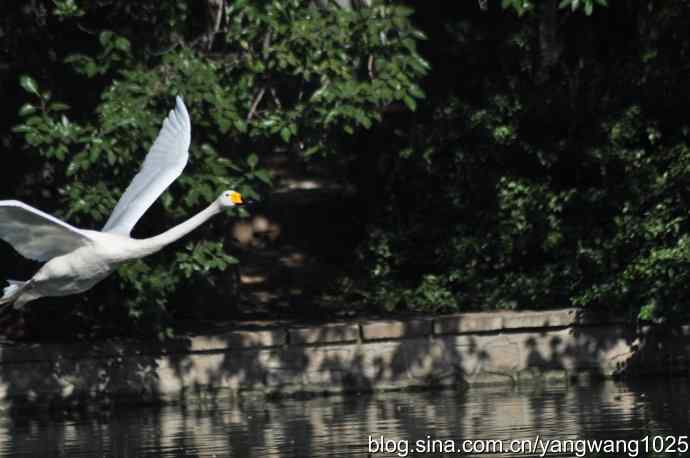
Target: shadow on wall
{"x":36,"y":375}
{"x":374,"y":355}
{"x":347,"y":356}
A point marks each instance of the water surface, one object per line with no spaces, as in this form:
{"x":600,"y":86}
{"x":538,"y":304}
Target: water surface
{"x":344,"y":426}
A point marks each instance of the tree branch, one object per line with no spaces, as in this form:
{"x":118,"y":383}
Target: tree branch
{"x":214,"y":12}
{"x":276,"y":99}
{"x":255,"y":104}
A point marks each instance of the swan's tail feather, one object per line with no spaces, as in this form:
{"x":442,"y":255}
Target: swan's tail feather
{"x":11,"y":292}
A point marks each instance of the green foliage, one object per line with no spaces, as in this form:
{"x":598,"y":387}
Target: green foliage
{"x":527,"y":188}
{"x":381,"y":256}
{"x":523,"y":6}
{"x":585,"y":5}
{"x":66,"y":9}
{"x":542,"y":163}
{"x":644,"y":262}
{"x":279,"y":75}
{"x":310,"y":74}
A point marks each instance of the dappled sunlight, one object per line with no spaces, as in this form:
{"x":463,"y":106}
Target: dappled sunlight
{"x":288,"y":359}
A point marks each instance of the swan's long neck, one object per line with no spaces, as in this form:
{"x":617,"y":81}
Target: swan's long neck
{"x":153,"y":244}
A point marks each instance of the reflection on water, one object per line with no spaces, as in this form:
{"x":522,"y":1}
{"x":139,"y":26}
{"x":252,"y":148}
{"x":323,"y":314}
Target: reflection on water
{"x":341,"y":426}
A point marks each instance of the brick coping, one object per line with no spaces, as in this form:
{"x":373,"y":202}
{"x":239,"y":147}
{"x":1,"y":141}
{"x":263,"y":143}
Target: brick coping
{"x":250,"y":335}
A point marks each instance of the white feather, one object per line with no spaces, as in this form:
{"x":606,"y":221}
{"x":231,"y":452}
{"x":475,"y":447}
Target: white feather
{"x":9,"y":292}
{"x":37,"y":235}
{"x":163,"y":164}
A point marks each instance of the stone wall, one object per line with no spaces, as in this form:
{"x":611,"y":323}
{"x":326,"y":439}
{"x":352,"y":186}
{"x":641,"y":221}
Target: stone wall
{"x":453,"y":350}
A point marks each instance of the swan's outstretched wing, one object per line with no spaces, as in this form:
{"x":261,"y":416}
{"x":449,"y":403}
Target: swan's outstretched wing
{"x":164,"y":162}
{"x":37,"y":235}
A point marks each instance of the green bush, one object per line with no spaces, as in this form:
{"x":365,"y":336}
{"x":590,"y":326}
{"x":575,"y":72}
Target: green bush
{"x":280,"y":75}
{"x":522,"y":185}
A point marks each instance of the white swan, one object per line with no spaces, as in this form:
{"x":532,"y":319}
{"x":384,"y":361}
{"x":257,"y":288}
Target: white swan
{"x":80,"y":258}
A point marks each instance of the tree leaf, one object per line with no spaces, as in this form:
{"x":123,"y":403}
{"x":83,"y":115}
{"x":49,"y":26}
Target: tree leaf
{"x":27,"y":109}
{"x":58,"y":106}
{"x":410,"y":102}
{"x":285,"y":134}
{"x":252,"y":160}
{"x":29,"y":84}
{"x":263,"y":175}
{"x":104,"y":37}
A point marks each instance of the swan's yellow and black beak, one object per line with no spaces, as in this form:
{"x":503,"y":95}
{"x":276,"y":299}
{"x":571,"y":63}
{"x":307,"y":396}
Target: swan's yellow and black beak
{"x":236,"y":198}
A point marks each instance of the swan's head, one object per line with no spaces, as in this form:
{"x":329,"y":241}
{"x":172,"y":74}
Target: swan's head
{"x":230,"y":199}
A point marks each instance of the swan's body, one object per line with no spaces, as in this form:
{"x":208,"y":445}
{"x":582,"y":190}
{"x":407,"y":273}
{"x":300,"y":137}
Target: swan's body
{"x":76,"y":258}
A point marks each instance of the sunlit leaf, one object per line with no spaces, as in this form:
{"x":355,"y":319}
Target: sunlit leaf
{"x":29,"y":84}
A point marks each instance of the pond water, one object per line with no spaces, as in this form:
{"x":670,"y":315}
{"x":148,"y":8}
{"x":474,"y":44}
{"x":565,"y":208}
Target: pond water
{"x":354,"y":425}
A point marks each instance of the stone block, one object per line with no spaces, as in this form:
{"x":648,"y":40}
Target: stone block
{"x":239,"y":339}
{"x":395,"y":329}
{"x":331,"y":333}
{"x":545,"y":319}
{"x":468,"y":322}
